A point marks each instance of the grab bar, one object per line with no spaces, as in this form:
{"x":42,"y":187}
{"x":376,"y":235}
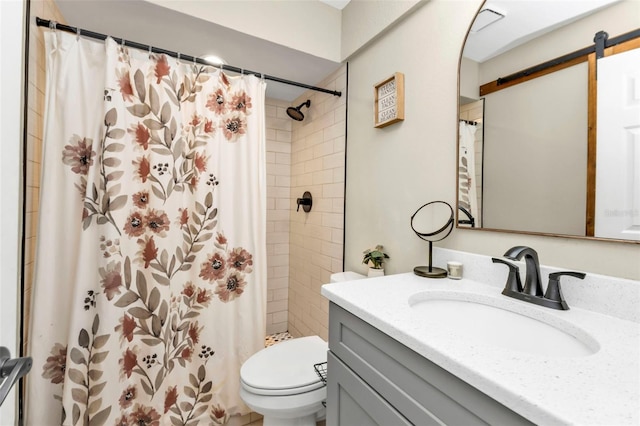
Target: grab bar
{"x":11,"y":370}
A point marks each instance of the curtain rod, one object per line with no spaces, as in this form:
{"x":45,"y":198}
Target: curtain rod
{"x":98,"y":36}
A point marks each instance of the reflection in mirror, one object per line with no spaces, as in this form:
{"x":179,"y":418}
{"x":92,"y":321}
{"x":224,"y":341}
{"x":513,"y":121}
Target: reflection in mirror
{"x":524,"y":161}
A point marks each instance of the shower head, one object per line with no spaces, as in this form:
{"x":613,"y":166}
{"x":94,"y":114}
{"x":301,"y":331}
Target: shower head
{"x":295,"y":113}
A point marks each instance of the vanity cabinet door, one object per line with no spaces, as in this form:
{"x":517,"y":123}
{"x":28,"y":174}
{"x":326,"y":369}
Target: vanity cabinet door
{"x":350,"y":401}
{"x":420,"y":390}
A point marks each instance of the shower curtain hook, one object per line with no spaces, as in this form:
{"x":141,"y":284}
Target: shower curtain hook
{"x":122,"y":42}
{"x":53,"y":25}
{"x":150,"y":52}
{"x":178,"y":58}
{"x":77,"y":33}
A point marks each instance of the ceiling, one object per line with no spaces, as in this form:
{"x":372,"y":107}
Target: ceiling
{"x":525,"y":20}
{"x":167,"y":29}
{"x":191,"y":36}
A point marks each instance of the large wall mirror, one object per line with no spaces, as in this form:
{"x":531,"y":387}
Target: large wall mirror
{"x":544,"y":147}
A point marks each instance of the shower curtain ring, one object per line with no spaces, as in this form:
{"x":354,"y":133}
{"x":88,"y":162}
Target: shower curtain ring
{"x":77,"y":33}
{"x":53,"y":25}
{"x":150,"y":52}
{"x":178,"y":58}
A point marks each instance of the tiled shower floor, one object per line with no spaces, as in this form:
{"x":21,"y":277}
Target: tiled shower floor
{"x":275,"y":338}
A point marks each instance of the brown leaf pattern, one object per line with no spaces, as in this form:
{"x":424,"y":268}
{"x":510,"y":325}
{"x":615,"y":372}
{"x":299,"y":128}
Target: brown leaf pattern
{"x":162,"y":265}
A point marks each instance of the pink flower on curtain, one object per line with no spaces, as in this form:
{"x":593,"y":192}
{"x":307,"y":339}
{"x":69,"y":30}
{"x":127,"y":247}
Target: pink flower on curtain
{"x":217,"y":103}
{"x":184,"y":216}
{"x":144,"y":416}
{"x":186,"y":354}
{"x":241,"y":102}
{"x":233,"y":127}
{"x":78,"y":155}
{"x":200,"y":162}
{"x":170,"y":398}
{"x":214,"y":268}
{"x":141,"y":134}
{"x":204,"y":296}
{"x":157,"y":221}
{"x":208,"y":126}
{"x":218,"y":412}
{"x":148,"y":251}
{"x":221,"y":239}
{"x":127,"y":327}
{"x":140,"y":199}
{"x":135,"y":225}
{"x":124,"y":81}
{"x":127,"y":397}
{"x":241,"y":259}
{"x":128,"y":362}
{"x":56,"y":364}
{"x":162,"y":68}
{"x":143,"y":168}
{"x":231,"y":286}
{"x":111,"y":280}
{"x":195,"y":120}
{"x":194,"y":332}
{"x":189,"y":289}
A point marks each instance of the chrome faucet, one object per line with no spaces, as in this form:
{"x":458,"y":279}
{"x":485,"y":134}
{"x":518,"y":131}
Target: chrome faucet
{"x":532,"y":291}
{"x":532,"y":282}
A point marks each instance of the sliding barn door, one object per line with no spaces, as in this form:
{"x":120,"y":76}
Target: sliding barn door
{"x":618,"y":147}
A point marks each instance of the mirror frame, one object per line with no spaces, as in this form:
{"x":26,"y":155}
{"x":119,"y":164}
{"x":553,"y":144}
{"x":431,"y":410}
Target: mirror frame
{"x":590,"y":58}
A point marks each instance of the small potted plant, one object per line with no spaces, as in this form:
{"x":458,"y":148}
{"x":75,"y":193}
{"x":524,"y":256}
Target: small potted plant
{"x":374,"y":258}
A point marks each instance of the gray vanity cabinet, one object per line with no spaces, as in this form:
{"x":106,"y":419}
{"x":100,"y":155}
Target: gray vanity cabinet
{"x":375,"y":380}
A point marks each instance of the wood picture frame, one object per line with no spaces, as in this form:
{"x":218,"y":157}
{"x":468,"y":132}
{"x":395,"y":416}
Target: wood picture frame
{"x":389,"y":101}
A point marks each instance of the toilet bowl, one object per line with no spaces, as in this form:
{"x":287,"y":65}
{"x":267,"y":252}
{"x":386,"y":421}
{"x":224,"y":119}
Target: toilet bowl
{"x":281,"y":383}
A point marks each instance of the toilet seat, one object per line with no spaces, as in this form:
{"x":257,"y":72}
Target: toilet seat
{"x":285,"y":368}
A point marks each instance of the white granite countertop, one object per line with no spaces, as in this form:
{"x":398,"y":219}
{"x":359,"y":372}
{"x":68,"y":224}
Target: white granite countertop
{"x":598,"y":389}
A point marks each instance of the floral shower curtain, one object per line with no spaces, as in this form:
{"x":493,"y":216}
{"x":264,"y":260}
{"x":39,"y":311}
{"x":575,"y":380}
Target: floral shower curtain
{"x":150,"y":282}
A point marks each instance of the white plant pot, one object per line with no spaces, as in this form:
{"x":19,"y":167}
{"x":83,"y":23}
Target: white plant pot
{"x":375,"y":272}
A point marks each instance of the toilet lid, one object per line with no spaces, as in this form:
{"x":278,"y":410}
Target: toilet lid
{"x":286,"y":365}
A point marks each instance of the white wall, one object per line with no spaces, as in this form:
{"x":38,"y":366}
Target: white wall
{"x":309,"y":26}
{"x":11,"y":85}
{"x":392,"y":171}
{"x":363,"y":20}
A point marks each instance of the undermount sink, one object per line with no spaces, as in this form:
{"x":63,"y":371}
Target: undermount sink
{"x":484,"y":320}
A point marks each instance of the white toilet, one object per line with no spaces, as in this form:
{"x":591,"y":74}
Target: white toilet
{"x":281,"y":383}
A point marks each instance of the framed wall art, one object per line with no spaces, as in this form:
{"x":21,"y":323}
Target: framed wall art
{"x":389,"y":101}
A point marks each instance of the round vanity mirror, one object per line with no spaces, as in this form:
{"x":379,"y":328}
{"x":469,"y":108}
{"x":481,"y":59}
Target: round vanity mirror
{"x":432,"y":222}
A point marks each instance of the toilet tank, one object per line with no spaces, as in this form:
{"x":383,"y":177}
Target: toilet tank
{"x":345,"y":276}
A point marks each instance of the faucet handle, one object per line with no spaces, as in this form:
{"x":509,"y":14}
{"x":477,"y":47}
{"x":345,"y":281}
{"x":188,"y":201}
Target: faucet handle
{"x":554,"y":291}
{"x":513,"y":280}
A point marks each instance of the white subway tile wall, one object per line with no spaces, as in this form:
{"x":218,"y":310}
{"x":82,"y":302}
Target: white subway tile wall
{"x":316,"y":239}
{"x":278,"y":156}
